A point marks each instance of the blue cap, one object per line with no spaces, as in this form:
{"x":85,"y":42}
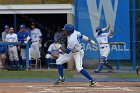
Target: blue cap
{"x":98,"y":28}
{"x":68,"y":28}
{"x":22,"y":26}
{"x":6,"y":27}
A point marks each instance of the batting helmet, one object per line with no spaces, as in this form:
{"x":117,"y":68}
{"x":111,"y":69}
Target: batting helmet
{"x":98,"y":28}
{"x":69,"y":28}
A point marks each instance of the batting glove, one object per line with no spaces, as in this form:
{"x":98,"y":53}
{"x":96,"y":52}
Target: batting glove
{"x":92,"y":42}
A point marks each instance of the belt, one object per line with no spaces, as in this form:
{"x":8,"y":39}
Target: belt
{"x":77,"y":50}
{"x":103,"y":47}
{"x":10,"y":45}
{"x":34,"y":41}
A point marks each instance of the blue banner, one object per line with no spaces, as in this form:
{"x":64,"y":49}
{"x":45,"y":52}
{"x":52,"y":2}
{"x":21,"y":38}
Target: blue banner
{"x":90,"y":14}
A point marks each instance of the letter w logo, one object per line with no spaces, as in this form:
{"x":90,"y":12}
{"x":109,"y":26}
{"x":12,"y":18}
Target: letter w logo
{"x":95,"y":12}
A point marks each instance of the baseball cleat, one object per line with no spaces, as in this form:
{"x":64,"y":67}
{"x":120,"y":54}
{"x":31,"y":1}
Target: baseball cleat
{"x":92,"y":83}
{"x":59,"y":81}
{"x":96,"y":71}
{"x":110,"y":71}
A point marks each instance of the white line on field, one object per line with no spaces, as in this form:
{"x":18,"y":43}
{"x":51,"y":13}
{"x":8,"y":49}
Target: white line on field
{"x":76,"y":88}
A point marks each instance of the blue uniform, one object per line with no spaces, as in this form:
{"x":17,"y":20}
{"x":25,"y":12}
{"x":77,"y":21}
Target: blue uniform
{"x":22,"y":36}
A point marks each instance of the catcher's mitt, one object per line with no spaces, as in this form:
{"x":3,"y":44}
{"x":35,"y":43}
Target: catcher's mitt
{"x":138,"y":71}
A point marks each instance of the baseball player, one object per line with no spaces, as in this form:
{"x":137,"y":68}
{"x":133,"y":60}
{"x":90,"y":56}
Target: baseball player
{"x":3,"y":54}
{"x":12,"y":50}
{"x":73,"y":51}
{"x":22,"y":37}
{"x":52,"y":53}
{"x":59,"y":36}
{"x":102,"y":37}
{"x":4,"y":33}
{"x":36,"y":38}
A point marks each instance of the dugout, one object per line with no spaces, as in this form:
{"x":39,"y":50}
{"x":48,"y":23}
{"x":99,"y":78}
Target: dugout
{"x":45,"y":15}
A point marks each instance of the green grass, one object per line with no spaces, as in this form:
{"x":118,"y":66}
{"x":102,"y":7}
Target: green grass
{"x":54,"y":74}
{"x":123,"y":75}
{"x":122,"y":63}
{"x":33,"y":74}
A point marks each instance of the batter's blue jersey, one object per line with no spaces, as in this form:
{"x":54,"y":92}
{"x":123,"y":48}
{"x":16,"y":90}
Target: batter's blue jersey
{"x":21,"y":36}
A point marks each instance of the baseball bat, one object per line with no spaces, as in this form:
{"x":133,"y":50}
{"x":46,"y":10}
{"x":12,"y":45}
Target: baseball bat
{"x":115,"y":43}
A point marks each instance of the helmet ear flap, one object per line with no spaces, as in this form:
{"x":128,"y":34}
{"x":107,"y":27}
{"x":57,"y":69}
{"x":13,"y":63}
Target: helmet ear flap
{"x":97,"y":29}
{"x":69,"y":33}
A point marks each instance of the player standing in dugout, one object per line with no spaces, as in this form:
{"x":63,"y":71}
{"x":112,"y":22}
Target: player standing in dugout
{"x":36,"y":39}
{"x":12,"y":49}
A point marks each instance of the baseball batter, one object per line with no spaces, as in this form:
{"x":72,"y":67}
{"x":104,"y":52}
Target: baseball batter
{"x":13,"y":55}
{"x":52,"y":53}
{"x":102,"y":37}
{"x":36,"y":37}
{"x":73,"y":51}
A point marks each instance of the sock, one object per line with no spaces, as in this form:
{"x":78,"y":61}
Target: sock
{"x":48,"y":61}
{"x":23,"y":63}
{"x":11,"y":63}
{"x":85,"y":73}
{"x":17,"y":63}
{"x":100,"y":67}
{"x":30,"y":62}
{"x":53,"y":60}
{"x":60,"y":71}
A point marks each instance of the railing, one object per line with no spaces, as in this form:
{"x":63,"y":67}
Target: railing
{"x":27,"y":50}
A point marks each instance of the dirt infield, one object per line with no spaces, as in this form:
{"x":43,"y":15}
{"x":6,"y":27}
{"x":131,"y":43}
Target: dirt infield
{"x":71,"y":87}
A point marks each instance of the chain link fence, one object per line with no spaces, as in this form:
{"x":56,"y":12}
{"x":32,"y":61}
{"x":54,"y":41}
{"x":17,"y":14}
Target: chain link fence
{"x":137,"y":28}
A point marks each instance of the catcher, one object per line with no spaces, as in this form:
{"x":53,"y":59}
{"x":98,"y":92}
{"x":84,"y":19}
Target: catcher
{"x":52,"y":54}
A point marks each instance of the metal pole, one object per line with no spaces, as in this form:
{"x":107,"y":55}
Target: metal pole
{"x":15,"y":23}
{"x":118,"y":64}
{"x":27,"y":56}
{"x":134,"y":34}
